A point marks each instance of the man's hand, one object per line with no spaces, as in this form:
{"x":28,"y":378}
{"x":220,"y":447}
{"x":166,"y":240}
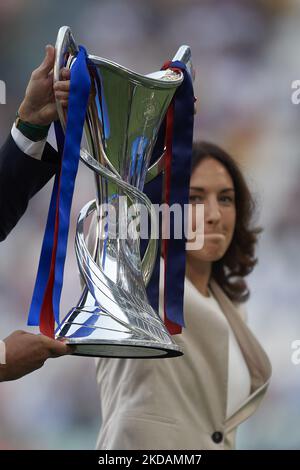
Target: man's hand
{"x":26,"y":352}
{"x":62,"y":87}
{"x":38,"y":106}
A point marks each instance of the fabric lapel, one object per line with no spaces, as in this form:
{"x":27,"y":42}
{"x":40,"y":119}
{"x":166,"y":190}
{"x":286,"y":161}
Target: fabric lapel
{"x":256,"y":358}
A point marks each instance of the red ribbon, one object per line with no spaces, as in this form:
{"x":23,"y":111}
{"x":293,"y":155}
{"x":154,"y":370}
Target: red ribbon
{"x":172,"y":327}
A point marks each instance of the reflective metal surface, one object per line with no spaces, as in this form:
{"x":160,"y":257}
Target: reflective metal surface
{"x":113,"y":317}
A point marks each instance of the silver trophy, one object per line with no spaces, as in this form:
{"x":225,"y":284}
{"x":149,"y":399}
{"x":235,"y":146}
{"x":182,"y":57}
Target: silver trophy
{"x":113,"y":317}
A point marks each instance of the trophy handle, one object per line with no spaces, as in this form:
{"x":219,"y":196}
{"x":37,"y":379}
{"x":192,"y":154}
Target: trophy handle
{"x":65,"y":50}
{"x":182,"y":55}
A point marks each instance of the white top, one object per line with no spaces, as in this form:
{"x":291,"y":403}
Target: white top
{"x":239,"y":380}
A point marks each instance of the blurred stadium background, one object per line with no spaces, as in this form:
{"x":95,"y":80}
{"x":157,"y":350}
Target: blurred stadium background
{"x":246,"y":55}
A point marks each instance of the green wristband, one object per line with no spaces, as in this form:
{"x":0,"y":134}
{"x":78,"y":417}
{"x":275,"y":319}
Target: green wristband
{"x":34,"y":132}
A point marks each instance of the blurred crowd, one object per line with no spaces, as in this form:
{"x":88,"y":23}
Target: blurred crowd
{"x":245,"y":53}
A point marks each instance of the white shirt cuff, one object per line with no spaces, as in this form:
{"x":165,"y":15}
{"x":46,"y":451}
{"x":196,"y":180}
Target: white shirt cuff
{"x":27,"y":146}
{"x":2,"y":352}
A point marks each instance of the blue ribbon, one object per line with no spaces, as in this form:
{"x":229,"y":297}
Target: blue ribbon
{"x":179,"y":193}
{"x":63,"y":189}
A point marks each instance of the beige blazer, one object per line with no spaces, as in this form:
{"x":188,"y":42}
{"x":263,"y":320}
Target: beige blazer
{"x":180,"y":403}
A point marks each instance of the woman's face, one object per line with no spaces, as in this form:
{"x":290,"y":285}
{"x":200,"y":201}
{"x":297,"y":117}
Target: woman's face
{"x":212,"y":185}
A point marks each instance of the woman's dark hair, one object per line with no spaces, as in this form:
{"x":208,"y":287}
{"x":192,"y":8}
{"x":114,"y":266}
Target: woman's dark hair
{"x":239,"y":259}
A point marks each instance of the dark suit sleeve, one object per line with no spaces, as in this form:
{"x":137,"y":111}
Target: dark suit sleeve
{"x":21,"y":177}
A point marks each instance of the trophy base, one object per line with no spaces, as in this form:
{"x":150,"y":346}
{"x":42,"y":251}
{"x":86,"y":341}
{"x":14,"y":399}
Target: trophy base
{"x":93,"y":332}
{"x":129,"y":350}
